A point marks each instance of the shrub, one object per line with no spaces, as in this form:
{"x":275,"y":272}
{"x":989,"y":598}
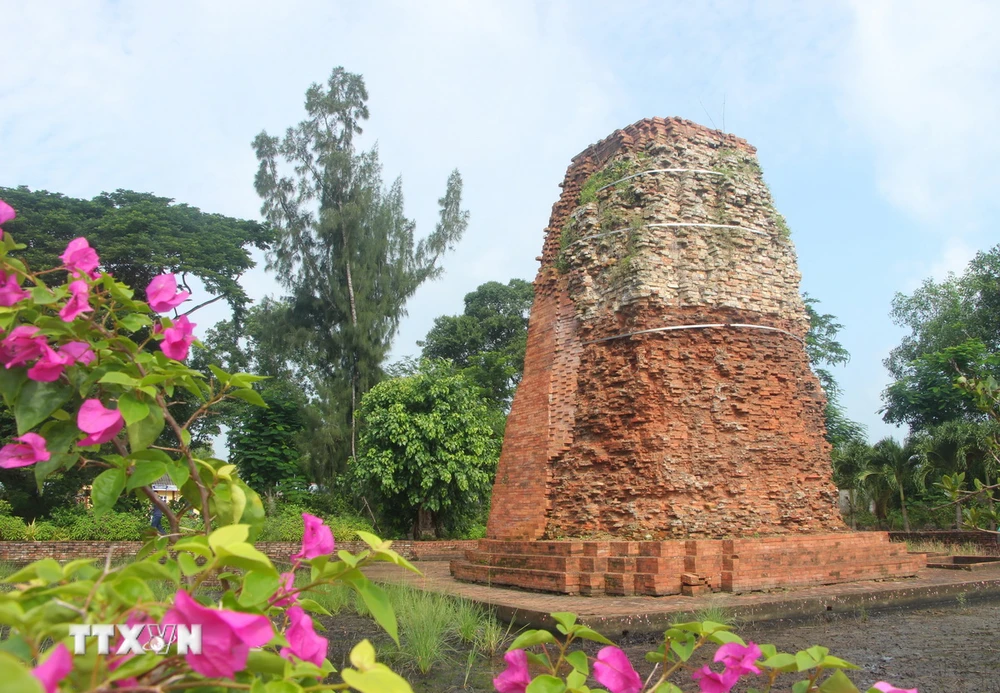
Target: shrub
{"x":12,"y":528}
{"x":111,"y":526}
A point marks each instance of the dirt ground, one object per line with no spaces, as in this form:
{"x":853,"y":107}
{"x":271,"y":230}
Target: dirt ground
{"x":951,"y":649}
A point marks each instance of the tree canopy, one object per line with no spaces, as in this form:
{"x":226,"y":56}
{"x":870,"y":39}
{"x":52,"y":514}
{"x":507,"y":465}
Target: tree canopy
{"x":138,"y":236}
{"x":489,"y":339}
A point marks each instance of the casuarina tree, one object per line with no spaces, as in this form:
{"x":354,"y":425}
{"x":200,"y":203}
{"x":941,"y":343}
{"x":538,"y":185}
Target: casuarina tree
{"x":344,"y":248}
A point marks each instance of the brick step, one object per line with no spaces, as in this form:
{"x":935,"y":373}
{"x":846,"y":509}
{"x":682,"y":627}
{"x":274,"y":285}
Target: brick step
{"x":581,"y":564}
{"x":540,"y":580}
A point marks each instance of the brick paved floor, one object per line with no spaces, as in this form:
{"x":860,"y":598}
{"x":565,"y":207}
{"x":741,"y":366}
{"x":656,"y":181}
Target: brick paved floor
{"x":650,"y":614}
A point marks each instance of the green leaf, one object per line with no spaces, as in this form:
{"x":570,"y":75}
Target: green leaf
{"x":17,"y":677}
{"x":683,"y":648}
{"x":258,"y":587}
{"x":188,"y":564}
{"x":132,"y":409}
{"x":564,"y":618}
{"x":831,"y":662}
{"x":144,"y":433}
{"x":145,"y":473}
{"x":133,"y":322}
{"x":251,"y":396}
{"x":119,"y":378}
{"x":592,"y":635}
{"x":531,"y":637}
{"x":264,"y":662}
{"x":377,"y":602}
{"x":376,"y":680}
{"x":179,"y":473}
{"x":313,"y":606}
{"x":781,"y":661}
{"x":838,"y":683}
{"x":136,"y":666}
{"x":37,"y":401}
{"x":219,"y":374}
{"x":197,"y":544}
{"x":801,"y":686}
{"x":106,"y":489}
{"x":578,"y":660}
{"x":11,"y":381}
{"x":546,"y":683}
{"x":721,"y":637}
{"x":228,"y":535}
{"x":244,"y":556}
{"x":43,"y":296}
{"x":667,"y":687}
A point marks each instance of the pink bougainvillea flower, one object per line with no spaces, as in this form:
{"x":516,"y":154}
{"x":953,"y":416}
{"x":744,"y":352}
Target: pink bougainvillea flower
{"x":889,"y":688}
{"x":302,"y":639}
{"x":613,"y":671}
{"x":21,"y":345}
{"x":317,"y":539}
{"x":78,"y":301}
{"x":102,"y":424}
{"x":6,"y":212}
{"x":515,"y":678}
{"x":226,"y":636}
{"x":54,"y":669}
{"x":50,"y":366}
{"x":285,"y":595}
{"x":162,"y":293}
{"x":712,"y":682}
{"x":10,"y":290}
{"x":80,"y":258}
{"x":78,"y":352}
{"x":29,"y":450}
{"x":739,"y":659}
{"x":178,"y":339}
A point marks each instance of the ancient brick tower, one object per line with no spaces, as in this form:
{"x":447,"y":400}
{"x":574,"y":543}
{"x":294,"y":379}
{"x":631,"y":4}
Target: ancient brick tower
{"x":668,"y":419}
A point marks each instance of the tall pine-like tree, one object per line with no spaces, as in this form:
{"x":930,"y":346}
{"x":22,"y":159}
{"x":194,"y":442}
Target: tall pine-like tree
{"x":344,"y":249}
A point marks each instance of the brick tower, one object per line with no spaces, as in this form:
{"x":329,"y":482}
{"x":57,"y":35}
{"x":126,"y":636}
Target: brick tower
{"x":668,"y":422}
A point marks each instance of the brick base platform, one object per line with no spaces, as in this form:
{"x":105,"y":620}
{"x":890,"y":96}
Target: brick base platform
{"x":688,"y":567}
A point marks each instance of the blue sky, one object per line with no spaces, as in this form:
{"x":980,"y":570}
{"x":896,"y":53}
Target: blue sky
{"x":873,"y":120}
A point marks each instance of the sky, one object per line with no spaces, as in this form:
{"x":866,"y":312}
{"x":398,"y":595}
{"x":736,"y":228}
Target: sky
{"x":872,"y":121}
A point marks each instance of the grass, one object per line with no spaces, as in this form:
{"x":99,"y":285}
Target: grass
{"x":935,"y":546}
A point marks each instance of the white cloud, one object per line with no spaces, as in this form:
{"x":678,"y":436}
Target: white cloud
{"x":920,"y":84}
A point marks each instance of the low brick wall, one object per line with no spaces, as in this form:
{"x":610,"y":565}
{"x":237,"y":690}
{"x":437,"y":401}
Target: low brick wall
{"x":989,"y":543}
{"x":28,"y":551}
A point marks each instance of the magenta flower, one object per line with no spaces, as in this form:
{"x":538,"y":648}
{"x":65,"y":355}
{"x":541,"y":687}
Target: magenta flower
{"x":285,"y":595}
{"x":162,"y":294}
{"x":889,"y":688}
{"x":78,"y":352}
{"x":739,"y":659}
{"x":78,"y":301}
{"x":178,"y":339}
{"x":50,"y":366}
{"x":54,"y":669}
{"x":226,"y":636}
{"x":21,"y":345}
{"x":80,"y":258}
{"x":102,"y":424}
{"x":711,"y":682}
{"x":515,"y":678}
{"x":317,"y":539}
{"x":613,"y":671}
{"x":29,"y":450}
{"x":302,"y":639}
{"x":10,"y":290}
{"x":6,"y":212}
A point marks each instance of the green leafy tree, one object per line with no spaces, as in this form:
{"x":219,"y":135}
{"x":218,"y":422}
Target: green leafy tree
{"x":489,"y":339}
{"x":954,"y":326}
{"x":138,"y":236}
{"x":262,"y":443}
{"x":824,"y":349}
{"x":344,"y":249}
{"x":427,"y":449}
{"x":958,"y":447}
{"x":850,"y":461}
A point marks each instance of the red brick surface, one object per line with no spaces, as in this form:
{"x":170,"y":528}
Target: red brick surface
{"x":697,"y":435}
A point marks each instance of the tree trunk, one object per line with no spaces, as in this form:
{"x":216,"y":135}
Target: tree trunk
{"x":354,"y":326}
{"x":425,"y":527}
{"x":902,"y":504}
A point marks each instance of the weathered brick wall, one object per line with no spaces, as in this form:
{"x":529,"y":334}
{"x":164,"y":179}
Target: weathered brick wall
{"x":27,"y":551}
{"x":691,"y":433}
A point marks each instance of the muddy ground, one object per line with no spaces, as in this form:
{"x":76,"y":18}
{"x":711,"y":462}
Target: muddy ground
{"x":949,"y":649}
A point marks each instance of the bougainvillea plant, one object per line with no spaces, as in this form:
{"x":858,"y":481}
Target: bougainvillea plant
{"x":561,"y":669}
{"x":89,"y":373}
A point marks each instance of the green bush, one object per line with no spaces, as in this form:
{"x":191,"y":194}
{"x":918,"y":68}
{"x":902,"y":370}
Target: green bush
{"x":286,"y":525}
{"x":12,"y":528}
{"x":44,"y":531}
{"x":111,"y":526}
